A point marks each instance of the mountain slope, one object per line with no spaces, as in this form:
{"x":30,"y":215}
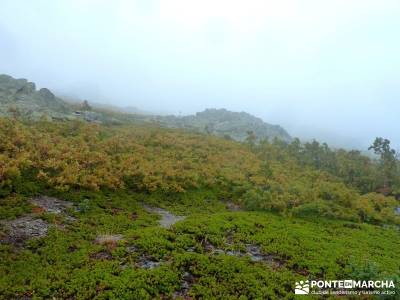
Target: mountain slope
{"x":222,"y":122}
{"x":83,"y":208}
{"x":20,"y":97}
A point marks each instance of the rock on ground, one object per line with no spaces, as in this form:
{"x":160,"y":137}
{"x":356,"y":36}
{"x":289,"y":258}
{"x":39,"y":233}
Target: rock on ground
{"x":24,"y":228}
{"x":145,"y":262}
{"x":50,"y":204}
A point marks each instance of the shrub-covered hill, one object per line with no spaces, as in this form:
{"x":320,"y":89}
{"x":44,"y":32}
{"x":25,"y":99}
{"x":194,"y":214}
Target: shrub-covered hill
{"x":270,"y":176}
{"x":90,"y":211}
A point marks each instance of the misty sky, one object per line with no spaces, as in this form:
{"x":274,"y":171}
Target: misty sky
{"x":324,"y":69}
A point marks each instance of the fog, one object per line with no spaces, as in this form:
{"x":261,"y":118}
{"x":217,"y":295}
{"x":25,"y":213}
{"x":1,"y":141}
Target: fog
{"x":323,"y":69}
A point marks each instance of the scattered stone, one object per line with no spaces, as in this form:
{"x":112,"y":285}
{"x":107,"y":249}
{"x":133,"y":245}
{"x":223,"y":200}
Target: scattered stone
{"x":143,"y":261}
{"x":92,"y":116}
{"x":50,"y":204}
{"x":186,"y":283}
{"x":254,"y":251}
{"x":208,"y":247}
{"x":397,"y":210}
{"x":102,"y":255}
{"x":68,"y":219}
{"x":229,"y":238}
{"x":167,"y":219}
{"x":146,"y":262}
{"x":24,"y":228}
{"x":131,"y":249}
{"x":219,"y":251}
{"x":232,"y":206}
{"x":391,"y":226}
{"x":237,"y":253}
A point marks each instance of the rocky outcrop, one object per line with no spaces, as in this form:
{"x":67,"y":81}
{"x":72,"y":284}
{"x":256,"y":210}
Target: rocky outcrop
{"x":27,"y":89}
{"x":46,"y":94}
{"x":24,"y":228}
{"x":228,"y":124}
{"x":30,"y":226}
{"x":51,"y":205}
{"x":20,"y":97}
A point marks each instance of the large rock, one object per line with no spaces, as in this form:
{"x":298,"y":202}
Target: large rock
{"x":50,"y":204}
{"x":46,"y":94}
{"x":224,"y":123}
{"x":27,"y":89}
{"x":24,"y":228}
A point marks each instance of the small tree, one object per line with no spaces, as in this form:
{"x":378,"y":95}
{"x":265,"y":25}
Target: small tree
{"x":251,"y":138}
{"x":14,"y":111}
{"x":85,"y":105}
{"x":388,"y":160}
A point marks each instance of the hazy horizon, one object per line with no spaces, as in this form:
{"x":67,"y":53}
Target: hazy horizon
{"x":324,"y":70}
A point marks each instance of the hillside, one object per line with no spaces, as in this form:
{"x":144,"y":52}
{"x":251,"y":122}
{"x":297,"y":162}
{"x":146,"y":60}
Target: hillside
{"x":20,"y":97}
{"x":97,"y":204}
{"x":224,"y":123}
{"x":95,"y":211}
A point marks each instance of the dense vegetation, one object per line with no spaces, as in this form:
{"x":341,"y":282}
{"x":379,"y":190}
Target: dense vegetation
{"x":304,"y":205}
{"x":287,"y":178}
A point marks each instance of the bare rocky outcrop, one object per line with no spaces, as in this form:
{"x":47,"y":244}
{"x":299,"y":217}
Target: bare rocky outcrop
{"x":102,"y":255}
{"x":46,"y":94}
{"x":142,"y":260}
{"x":27,"y":89}
{"x":146,"y":262}
{"x":252,"y":251}
{"x":30,"y":226}
{"x":51,"y":205}
{"x":24,"y":228}
{"x":54,"y":205}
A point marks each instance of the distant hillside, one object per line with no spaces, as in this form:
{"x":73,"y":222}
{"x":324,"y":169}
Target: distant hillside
{"x":19,"y":97}
{"x":222,"y":122}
